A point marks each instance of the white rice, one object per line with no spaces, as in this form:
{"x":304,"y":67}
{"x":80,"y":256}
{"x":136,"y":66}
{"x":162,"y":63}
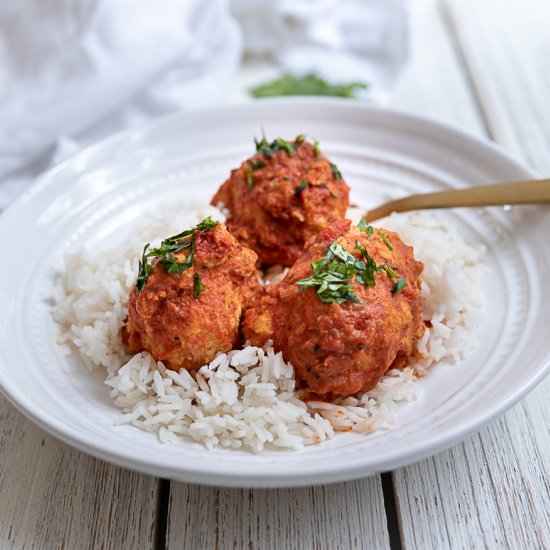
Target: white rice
{"x":246,"y":399}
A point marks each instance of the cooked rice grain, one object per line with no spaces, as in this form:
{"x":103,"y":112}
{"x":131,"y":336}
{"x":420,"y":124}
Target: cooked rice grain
{"x":246,"y":399}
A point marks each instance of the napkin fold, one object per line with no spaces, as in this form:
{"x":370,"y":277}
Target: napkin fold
{"x":86,"y":68}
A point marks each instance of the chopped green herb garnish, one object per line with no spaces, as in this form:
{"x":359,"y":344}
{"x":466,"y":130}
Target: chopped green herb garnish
{"x":171,"y":264}
{"x":333,"y":195}
{"x":309,"y":84}
{"x":287,"y":178}
{"x":332,"y":276}
{"x":335,"y":172}
{"x":303,"y":185}
{"x":144,"y":270}
{"x":365,"y":227}
{"x":165,"y":253}
{"x":399,"y":285}
{"x":257,"y":164}
{"x":391,"y":273}
{"x":285,"y":146}
{"x":198,"y":287}
{"x":316,"y":150}
{"x":263,"y":147}
{"x":385,"y":239}
{"x":250,"y":177}
{"x":205,"y":225}
{"x":366,"y":269}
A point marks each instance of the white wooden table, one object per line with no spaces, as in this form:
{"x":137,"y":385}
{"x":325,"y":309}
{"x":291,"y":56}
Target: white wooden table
{"x":480,"y":65}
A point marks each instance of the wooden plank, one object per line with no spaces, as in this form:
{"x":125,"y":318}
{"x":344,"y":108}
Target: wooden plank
{"x":491,"y":491}
{"x":435,"y":83}
{"x":347,"y":515}
{"x":52,"y":496}
{"x":506,"y":46}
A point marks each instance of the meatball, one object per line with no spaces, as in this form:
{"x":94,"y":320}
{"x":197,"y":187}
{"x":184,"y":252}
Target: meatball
{"x":281,"y":197}
{"x":346,"y":312}
{"x":185,"y":313}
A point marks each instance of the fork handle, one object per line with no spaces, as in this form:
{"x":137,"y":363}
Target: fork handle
{"x":517,"y":192}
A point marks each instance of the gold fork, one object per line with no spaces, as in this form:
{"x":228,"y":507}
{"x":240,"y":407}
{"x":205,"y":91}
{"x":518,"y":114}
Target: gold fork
{"x":517,"y":192}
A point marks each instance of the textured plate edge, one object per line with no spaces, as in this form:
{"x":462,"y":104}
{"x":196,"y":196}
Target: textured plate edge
{"x":198,"y":476}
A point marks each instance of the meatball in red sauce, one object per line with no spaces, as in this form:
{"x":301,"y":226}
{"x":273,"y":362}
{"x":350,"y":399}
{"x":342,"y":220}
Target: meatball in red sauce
{"x":281,"y":197}
{"x":188,"y":302}
{"x":347,"y":311}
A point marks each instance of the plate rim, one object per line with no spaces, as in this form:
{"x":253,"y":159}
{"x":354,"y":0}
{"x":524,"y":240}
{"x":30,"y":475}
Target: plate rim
{"x":195,"y":474}
{"x":283,"y":101}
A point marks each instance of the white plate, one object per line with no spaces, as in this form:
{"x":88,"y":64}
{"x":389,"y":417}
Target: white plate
{"x":90,"y":197}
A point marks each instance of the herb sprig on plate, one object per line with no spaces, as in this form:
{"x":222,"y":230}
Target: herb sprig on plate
{"x":309,"y":84}
{"x":165,"y":256}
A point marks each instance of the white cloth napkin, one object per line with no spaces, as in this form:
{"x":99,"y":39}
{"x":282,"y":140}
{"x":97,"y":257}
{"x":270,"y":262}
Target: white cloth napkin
{"x":74,"y":71}
{"x":341,"y":40}
{"x":81,"y":69}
